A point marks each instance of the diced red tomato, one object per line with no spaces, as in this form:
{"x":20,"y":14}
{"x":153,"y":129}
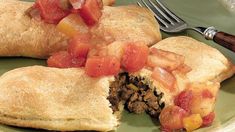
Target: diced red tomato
{"x":81,"y":38}
{"x":100,"y":3}
{"x":102,"y":66}
{"x":169,"y":55}
{"x":165,"y":59}
{"x":78,"y":48}
{"x":208,"y":120}
{"x":207,"y":94}
{"x":93,"y":53}
{"x":134,"y":57}
{"x":164,"y":77}
{"x":50,"y":10}
{"x":184,"y":99}
{"x":73,"y":25}
{"x":183,"y":69}
{"x":74,"y":11}
{"x":171,"y":117}
{"x":78,"y":62}
{"x":91,"y":12}
{"x":61,"y":59}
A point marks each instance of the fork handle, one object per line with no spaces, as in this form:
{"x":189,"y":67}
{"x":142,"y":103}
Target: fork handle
{"x":226,"y":40}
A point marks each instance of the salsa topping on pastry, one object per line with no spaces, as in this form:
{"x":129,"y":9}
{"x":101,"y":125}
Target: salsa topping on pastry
{"x":52,"y":11}
{"x":135,"y":92}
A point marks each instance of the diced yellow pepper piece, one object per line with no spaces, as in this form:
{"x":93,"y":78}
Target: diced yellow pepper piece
{"x":72,"y":25}
{"x":192,"y":122}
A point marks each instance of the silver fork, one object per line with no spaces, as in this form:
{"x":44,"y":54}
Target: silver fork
{"x":171,"y":23}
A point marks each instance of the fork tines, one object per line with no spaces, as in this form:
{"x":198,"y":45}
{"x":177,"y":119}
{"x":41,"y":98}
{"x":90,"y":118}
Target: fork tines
{"x":164,"y":16}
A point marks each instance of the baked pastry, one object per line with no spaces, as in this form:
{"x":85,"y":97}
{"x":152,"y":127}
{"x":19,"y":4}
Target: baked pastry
{"x":45,"y":95}
{"x":207,"y":63}
{"x":56,"y":99}
{"x":127,"y":23}
{"x":196,"y":90}
{"x":68,"y":100}
{"x":24,"y":36}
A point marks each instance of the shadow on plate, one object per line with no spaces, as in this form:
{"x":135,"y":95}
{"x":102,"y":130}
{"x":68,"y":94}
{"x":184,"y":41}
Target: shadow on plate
{"x":9,"y":63}
{"x":140,"y":120}
{"x":229,"y":85}
{"x":5,"y":128}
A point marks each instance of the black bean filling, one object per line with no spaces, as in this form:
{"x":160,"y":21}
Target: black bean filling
{"x":137,"y":94}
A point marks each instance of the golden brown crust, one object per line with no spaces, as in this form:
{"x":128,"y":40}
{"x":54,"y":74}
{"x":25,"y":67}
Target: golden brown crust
{"x":207,"y":63}
{"x":226,"y":74}
{"x":22,"y":36}
{"x":127,"y":23}
{"x":55,"y":99}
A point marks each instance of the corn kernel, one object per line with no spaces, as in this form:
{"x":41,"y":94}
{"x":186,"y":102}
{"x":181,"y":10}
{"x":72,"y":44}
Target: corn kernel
{"x":72,"y":25}
{"x":192,"y":122}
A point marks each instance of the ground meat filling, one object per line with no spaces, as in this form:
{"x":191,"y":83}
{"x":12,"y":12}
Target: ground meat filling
{"x":137,"y":94}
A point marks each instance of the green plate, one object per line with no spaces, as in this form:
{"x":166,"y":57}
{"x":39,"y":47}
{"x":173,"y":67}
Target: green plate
{"x":196,"y":13}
